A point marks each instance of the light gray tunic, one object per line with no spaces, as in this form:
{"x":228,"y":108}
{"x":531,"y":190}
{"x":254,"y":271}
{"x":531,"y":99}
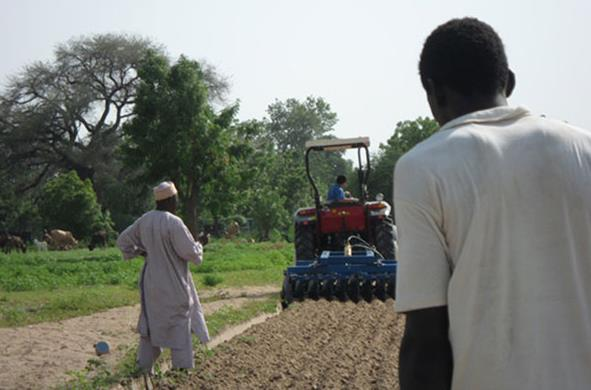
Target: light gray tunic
{"x":170,"y":305}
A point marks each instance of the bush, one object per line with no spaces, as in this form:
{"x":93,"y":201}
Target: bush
{"x":212,"y":280}
{"x":68,"y":203}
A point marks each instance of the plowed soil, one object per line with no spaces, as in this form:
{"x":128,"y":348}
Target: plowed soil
{"x":312,"y":345}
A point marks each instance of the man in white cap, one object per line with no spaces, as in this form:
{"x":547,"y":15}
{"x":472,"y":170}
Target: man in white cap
{"x":170,"y":307}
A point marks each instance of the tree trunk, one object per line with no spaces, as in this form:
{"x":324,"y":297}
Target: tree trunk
{"x":190,"y":210}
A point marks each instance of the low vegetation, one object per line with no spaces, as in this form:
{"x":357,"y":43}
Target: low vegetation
{"x":49,"y":286}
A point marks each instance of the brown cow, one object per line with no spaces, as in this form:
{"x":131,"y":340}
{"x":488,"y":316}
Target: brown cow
{"x":232,"y":230}
{"x":98,"y":239}
{"x":60,"y":239}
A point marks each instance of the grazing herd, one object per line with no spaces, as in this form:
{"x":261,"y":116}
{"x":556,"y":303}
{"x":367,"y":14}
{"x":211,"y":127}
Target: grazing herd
{"x":63,"y":240}
{"x":55,"y":239}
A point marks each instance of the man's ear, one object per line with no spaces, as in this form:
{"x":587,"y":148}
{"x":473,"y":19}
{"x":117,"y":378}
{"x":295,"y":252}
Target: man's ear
{"x":435,"y":92}
{"x":510,"y":84}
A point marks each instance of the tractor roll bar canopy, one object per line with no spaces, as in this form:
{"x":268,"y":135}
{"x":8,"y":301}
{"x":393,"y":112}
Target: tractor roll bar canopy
{"x":339,"y":145}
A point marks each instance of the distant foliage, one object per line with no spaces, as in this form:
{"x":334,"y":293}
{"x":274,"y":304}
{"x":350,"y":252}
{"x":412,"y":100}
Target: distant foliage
{"x":406,"y":135}
{"x":69,"y":203}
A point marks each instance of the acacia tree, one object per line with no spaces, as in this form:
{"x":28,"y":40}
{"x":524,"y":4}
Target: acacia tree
{"x":65,"y":114}
{"x":175,"y":134}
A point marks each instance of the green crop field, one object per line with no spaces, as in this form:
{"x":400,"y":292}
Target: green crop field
{"x":47,"y":286}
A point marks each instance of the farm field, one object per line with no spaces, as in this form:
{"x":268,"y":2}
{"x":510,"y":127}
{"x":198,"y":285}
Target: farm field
{"x":312,"y":345}
{"x":49,"y":286}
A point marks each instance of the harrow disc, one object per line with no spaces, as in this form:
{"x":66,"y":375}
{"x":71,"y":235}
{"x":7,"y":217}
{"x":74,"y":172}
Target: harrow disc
{"x":327,"y":289}
{"x":391,"y":287}
{"x":314,"y":289}
{"x":367,"y":290}
{"x":286,"y":293}
{"x":299,"y":292}
{"x":341,"y":289}
{"x":380,"y":290}
{"x":353,"y":289}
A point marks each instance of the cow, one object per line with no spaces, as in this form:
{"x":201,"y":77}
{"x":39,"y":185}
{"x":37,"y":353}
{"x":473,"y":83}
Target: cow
{"x":98,"y":239}
{"x":60,"y":239}
{"x":40,"y":245}
{"x":232,"y":230}
{"x":9,"y":242}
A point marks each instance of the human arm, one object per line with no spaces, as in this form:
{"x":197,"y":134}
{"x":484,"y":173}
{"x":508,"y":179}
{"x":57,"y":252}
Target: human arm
{"x":423,"y":275}
{"x":184,"y":244}
{"x":425,"y":361}
{"x":130,"y":243}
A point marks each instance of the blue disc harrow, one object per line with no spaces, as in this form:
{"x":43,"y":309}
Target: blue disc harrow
{"x":334,"y":276}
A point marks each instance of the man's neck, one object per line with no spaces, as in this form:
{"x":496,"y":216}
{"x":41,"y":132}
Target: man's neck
{"x":461,"y":106}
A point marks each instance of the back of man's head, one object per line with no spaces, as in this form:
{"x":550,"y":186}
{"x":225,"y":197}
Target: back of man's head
{"x":467,"y":56}
{"x":341,"y":179}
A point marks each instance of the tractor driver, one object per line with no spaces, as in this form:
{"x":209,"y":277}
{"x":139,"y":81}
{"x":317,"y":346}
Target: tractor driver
{"x":336,"y":192}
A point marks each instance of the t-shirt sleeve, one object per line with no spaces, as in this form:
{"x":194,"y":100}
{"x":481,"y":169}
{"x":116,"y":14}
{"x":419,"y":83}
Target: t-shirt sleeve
{"x":340,"y":193}
{"x":423,"y":268}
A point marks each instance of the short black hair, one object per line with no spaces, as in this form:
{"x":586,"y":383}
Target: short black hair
{"x":341,"y":179}
{"x":466,"y":55}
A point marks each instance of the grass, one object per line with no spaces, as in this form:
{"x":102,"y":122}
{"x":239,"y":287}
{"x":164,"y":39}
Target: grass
{"x":97,"y":375}
{"x":49,"y":286}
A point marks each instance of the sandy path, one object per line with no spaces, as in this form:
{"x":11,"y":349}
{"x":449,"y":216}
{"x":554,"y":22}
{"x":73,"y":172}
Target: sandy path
{"x":39,"y":356}
{"x":314,"y":345}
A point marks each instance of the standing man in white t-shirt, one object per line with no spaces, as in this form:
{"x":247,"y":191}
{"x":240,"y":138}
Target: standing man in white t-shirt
{"x":494,"y":221}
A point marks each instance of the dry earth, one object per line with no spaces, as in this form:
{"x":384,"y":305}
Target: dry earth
{"x":39,"y":356}
{"x":313,"y":345}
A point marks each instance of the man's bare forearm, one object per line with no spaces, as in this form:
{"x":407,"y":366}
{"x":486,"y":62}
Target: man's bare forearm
{"x":426,"y":361}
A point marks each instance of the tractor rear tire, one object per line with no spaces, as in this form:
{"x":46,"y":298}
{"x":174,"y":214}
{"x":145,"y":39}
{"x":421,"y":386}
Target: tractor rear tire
{"x":304,"y":242}
{"x":385,"y":236}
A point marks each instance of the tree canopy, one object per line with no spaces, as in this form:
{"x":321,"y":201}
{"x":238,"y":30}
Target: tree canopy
{"x":406,"y":135}
{"x":68,"y":192}
{"x":175,"y":133}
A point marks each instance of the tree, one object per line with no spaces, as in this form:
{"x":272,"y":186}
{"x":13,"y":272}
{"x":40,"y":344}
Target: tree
{"x":291,"y":123}
{"x":175,"y":133}
{"x":67,"y":114}
{"x":69,"y":203}
{"x":406,"y":135}
{"x":268,"y":211}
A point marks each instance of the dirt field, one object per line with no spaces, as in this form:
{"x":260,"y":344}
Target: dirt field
{"x":313,"y":345}
{"x":39,"y":356}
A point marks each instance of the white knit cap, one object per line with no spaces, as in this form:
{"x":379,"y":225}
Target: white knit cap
{"x":164,"y":190}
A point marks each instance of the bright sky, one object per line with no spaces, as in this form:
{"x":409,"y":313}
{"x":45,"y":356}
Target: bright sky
{"x":361,"y":56}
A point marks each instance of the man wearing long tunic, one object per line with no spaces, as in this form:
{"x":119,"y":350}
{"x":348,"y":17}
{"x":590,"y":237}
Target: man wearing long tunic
{"x":170,"y":308}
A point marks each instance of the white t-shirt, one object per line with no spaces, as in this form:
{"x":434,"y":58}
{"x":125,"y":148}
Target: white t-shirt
{"x":494,"y":220}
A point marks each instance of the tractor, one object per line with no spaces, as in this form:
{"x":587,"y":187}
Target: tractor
{"x":343,"y":249}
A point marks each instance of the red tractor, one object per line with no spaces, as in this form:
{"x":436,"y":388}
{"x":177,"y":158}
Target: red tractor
{"x":331,"y":226}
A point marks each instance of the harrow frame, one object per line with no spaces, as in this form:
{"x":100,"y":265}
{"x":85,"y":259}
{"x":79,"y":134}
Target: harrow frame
{"x":362,"y":275}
